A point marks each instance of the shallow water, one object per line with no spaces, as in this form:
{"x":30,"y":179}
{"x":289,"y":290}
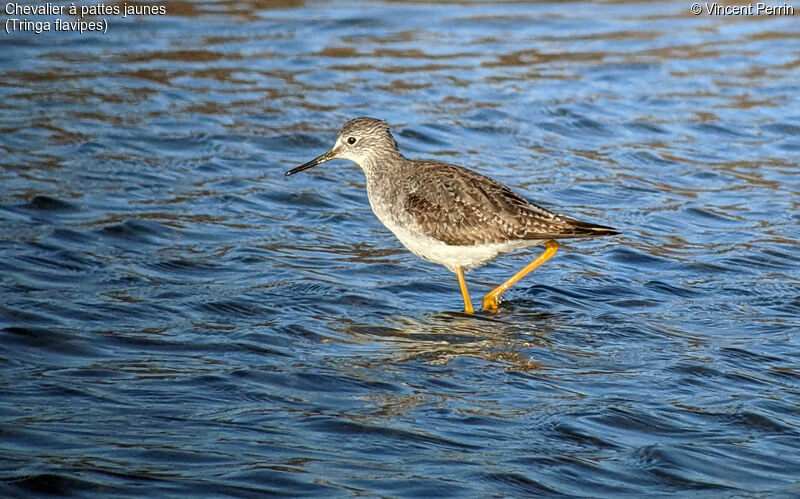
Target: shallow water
{"x":179,"y":318}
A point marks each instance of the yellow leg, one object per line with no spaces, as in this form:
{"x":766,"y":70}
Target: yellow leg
{"x":490,"y":300}
{"x":467,"y":303}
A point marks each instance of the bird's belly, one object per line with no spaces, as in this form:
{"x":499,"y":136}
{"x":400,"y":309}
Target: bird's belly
{"x":451,"y":256}
{"x":466,"y":257}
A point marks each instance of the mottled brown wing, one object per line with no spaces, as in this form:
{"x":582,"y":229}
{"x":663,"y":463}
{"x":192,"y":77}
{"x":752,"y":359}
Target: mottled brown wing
{"x":461,"y":207}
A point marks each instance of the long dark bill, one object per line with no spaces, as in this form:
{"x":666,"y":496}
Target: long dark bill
{"x":314,"y":162}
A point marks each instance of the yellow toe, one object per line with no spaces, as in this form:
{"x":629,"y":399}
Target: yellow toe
{"x":490,"y":303}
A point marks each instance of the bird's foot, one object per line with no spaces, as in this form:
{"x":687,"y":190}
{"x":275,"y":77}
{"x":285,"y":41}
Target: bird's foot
{"x":490,"y":303}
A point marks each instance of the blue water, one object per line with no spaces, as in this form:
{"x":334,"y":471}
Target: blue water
{"x":178,"y":318}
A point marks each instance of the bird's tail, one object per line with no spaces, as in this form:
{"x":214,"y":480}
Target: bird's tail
{"x":577,"y":228}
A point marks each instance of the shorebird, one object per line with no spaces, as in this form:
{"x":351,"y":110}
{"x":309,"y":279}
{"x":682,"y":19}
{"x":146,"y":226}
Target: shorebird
{"x":448,"y":214}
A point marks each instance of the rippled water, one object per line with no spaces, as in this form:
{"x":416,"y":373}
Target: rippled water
{"x":177,"y":317}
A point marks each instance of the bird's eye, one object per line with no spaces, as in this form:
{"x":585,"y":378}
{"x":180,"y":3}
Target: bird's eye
{"x":351,"y":140}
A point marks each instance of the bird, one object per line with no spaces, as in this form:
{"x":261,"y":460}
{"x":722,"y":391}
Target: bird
{"x":448,"y":214}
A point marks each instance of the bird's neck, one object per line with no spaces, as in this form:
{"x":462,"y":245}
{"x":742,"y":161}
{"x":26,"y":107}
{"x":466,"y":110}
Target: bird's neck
{"x":373,"y":166}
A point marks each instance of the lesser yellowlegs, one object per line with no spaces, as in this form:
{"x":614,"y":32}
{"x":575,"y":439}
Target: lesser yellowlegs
{"x":447,"y":214}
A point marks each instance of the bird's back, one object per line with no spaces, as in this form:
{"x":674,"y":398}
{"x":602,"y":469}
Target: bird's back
{"x":463,"y":208}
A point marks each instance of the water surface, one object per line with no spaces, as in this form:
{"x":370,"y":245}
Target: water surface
{"x":178,"y":318}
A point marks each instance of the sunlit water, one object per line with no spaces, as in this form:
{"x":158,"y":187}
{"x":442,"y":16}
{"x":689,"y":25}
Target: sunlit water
{"x":177,"y":317}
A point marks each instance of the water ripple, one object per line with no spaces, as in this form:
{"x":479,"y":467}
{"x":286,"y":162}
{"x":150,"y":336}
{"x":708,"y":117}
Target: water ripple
{"x":179,"y":318}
